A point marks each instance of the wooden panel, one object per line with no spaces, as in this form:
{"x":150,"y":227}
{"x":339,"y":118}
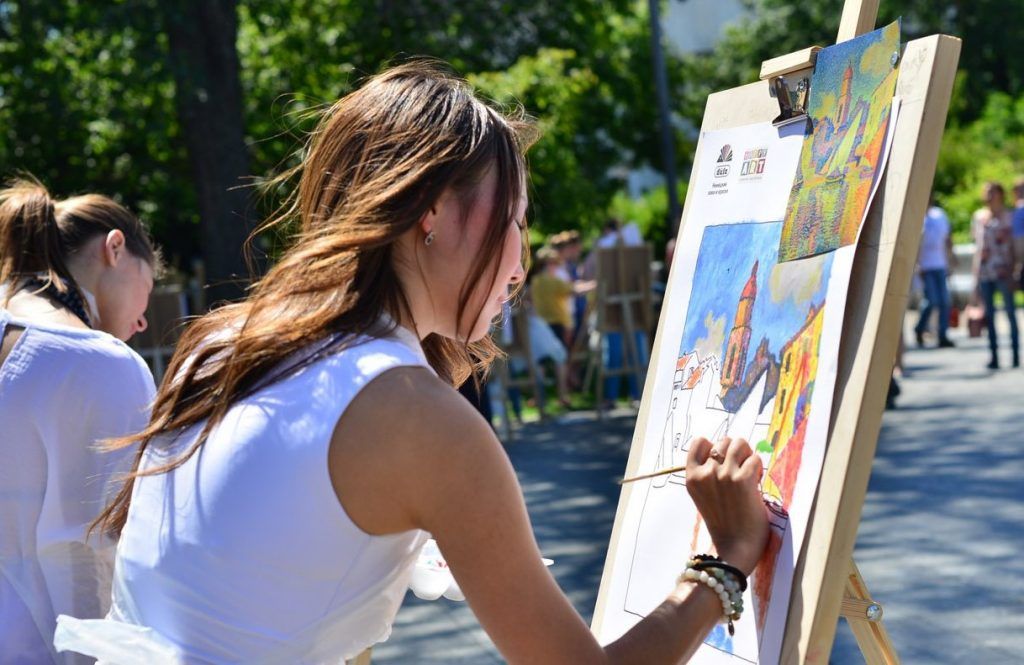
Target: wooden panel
{"x":875,"y":307}
{"x":624,"y":271}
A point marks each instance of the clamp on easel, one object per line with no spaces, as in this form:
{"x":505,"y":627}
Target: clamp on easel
{"x":792,"y":100}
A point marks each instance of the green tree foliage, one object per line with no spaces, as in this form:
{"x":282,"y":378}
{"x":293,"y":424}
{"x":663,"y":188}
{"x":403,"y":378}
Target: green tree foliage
{"x":992,"y":32}
{"x":87,"y":98}
{"x":86,"y":104}
{"x":648,"y":211}
{"x":983,"y":139}
{"x":989,"y":149}
{"x":571,"y":161}
{"x":576,"y":66}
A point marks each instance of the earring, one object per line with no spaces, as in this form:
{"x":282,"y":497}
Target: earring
{"x":429,"y":239}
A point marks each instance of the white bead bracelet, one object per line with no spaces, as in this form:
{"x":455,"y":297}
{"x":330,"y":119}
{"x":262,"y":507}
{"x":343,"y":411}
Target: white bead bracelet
{"x":722,"y":582}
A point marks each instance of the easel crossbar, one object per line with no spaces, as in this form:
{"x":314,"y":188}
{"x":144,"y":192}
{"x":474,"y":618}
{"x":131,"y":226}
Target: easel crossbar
{"x":865,"y":618}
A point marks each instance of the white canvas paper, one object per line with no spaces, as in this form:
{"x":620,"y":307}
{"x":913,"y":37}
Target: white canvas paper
{"x":748,"y":348}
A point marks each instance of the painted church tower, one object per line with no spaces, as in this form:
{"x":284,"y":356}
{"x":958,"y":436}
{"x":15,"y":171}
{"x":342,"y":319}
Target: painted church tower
{"x":739,"y":337}
{"x":845,"y":97}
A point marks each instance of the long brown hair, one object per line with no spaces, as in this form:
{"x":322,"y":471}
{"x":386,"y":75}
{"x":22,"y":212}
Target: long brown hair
{"x":38,"y":234}
{"x":378,"y":161}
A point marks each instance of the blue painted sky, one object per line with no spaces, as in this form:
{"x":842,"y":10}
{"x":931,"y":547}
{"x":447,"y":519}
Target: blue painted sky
{"x":727,"y":254}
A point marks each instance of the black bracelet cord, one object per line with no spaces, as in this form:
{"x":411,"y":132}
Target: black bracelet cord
{"x":706,"y":561}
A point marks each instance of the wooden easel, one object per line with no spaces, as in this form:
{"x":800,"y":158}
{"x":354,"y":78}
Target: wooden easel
{"x":865,"y":618}
{"x":623,"y":306}
{"x":829,"y":584}
{"x":826,"y":582}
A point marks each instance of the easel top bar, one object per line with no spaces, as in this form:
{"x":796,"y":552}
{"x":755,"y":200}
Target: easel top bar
{"x":789,"y":63}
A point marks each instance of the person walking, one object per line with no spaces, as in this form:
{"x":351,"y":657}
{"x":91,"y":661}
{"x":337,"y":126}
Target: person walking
{"x":933,"y":263}
{"x":1018,"y":230}
{"x":994,"y":261}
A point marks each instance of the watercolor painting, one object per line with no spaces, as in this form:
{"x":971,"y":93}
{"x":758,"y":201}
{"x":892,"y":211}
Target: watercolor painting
{"x":746,"y":367}
{"x":849,"y":108}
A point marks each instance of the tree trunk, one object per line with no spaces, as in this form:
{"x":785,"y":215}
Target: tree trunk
{"x":204,"y":60}
{"x":668,"y":155}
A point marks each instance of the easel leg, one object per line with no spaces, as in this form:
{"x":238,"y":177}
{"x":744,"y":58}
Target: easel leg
{"x":865,"y":618}
{"x":602,"y":348}
{"x":631,"y":350}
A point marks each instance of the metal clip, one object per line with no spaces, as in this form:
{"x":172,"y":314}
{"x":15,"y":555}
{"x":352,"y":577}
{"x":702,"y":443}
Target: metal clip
{"x":792,"y":104}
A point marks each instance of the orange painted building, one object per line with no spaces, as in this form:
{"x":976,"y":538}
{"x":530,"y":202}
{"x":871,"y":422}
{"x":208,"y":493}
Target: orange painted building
{"x":799,"y":367}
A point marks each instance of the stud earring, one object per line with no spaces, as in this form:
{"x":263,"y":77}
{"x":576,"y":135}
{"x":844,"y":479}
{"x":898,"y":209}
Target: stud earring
{"x":428,"y":239}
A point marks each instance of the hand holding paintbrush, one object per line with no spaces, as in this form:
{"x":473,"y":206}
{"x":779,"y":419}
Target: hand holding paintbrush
{"x":724,"y":482}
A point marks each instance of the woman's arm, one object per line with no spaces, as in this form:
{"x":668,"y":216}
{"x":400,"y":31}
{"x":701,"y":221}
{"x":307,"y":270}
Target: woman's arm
{"x":583,"y":286}
{"x":426,"y":459}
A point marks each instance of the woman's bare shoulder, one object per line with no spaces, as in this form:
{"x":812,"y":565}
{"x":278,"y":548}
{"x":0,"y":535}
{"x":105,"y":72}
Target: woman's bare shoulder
{"x":412,"y":396}
{"x":407,"y":424}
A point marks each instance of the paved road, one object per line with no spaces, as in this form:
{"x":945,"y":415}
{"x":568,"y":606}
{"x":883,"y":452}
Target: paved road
{"x":941,"y":542}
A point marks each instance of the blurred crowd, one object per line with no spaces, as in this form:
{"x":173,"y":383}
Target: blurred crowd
{"x":973,"y":285}
{"x":556,"y":312}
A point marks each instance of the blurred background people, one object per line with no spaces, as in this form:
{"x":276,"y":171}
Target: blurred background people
{"x":933,"y":263}
{"x":1018,"y":231}
{"x":994,"y":262}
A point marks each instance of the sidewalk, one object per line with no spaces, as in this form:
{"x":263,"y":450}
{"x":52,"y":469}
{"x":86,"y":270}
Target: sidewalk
{"x":941,"y":543}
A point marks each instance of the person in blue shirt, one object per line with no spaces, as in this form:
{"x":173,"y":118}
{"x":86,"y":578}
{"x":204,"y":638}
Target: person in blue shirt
{"x":1018,"y":229}
{"x":933,"y":263}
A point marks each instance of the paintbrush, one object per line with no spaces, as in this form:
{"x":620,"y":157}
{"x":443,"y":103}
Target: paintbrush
{"x":654,"y":474}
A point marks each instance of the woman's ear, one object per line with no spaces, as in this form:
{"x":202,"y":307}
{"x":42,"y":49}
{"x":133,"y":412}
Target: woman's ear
{"x":113,"y":247}
{"x":441,"y":212}
{"x":429,"y":220}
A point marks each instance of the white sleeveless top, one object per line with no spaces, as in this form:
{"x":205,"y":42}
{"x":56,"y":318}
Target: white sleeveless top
{"x":243,"y":553}
{"x":62,"y":389}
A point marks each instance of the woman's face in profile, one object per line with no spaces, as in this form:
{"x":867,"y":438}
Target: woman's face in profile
{"x":123,"y":295}
{"x":452,"y":257}
{"x":507,"y":266}
{"x":993,"y":197}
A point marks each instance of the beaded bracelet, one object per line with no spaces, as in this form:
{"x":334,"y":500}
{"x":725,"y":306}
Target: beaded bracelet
{"x":725,"y":580}
{"x":705,"y":561}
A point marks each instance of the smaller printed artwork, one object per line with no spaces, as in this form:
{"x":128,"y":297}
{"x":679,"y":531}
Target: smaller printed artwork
{"x":850,"y":108}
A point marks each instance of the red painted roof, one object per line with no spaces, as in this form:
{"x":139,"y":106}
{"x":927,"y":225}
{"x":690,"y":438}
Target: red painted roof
{"x":750,"y":290}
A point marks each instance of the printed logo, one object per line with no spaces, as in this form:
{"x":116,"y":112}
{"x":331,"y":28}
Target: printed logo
{"x":722,"y":169}
{"x":753,"y":162}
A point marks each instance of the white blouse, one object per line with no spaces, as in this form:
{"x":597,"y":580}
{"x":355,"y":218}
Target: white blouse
{"x":62,"y":390}
{"x":243,"y":553}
